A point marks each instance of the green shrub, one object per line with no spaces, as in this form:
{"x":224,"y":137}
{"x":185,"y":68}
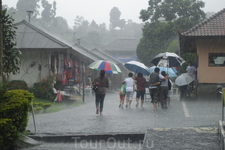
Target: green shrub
{"x":46,"y":106}
{"x":15,"y":105}
{"x":37,"y":110}
{"x":39,"y":106}
{"x":8,"y":134}
{"x":3,"y":89}
{"x":17,"y":84}
{"x":43,"y":89}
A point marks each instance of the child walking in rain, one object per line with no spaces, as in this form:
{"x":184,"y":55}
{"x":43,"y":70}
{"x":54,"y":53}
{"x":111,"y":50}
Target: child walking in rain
{"x":122,"y":94}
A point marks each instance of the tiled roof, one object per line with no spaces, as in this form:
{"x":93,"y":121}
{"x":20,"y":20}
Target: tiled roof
{"x":213,"y":26}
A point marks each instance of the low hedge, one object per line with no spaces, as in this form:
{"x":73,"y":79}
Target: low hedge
{"x":15,"y":105}
{"x":17,"y":84}
{"x":8,"y":134}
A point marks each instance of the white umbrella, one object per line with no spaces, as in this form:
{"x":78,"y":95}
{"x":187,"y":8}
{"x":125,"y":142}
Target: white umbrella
{"x":184,"y":79}
{"x":137,"y":67}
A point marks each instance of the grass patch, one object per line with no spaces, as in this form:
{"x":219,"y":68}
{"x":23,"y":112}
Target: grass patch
{"x":58,"y":106}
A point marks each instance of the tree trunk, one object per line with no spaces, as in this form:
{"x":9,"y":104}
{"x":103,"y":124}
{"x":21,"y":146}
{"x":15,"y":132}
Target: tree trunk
{"x":1,"y":44}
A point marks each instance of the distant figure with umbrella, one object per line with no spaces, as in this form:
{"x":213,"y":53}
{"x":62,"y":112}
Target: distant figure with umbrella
{"x":154,"y":85}
{"x":141,"y":81}
{"x":129,"y":89}
{"x":183,"y":81}
{"x":103,"y":84}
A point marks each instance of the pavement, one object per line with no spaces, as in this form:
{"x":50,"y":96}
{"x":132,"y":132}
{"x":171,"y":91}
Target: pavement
{"x":189,"y":124}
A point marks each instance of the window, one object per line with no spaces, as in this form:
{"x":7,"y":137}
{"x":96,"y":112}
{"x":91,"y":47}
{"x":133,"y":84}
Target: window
{"x":216,"y":59}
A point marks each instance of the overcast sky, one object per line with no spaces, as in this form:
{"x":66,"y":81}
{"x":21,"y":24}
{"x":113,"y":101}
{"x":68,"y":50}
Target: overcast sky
{"x":99,"y":10}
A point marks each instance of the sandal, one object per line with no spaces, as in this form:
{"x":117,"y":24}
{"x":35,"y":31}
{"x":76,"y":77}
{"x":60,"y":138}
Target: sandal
{"x":97,"y":110}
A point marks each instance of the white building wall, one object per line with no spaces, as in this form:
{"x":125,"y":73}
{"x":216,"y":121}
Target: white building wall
{"x":30,"y":70}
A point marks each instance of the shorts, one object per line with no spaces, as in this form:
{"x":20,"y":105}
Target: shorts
{"x":129,"y":95}
{"x":169,"y":93}
{"x":140,"y":94}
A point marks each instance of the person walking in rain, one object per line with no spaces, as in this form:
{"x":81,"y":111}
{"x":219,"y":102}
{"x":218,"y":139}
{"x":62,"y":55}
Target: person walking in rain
{"x":103,"y":84}
{"x":129,"y":89}
{"x":141,"y":81}
{"x":122,"y":94}
{"x":164,"y":90}
{"x":154,"y":85}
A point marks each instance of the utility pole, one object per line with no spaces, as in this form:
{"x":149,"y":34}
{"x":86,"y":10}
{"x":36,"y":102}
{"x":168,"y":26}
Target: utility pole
{"x":29,"y":12}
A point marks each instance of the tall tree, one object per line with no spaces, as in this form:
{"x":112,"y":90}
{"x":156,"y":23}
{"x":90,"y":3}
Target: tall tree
{"x":11,"y":56}
{"x":49,"y":11}
{"x":1,"y":43}
{"x":115,"y":20}
{"x":163,"y":18}
{"x":27,"y":5}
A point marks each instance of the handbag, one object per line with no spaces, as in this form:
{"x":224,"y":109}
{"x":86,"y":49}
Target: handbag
{"x":95,"y":86}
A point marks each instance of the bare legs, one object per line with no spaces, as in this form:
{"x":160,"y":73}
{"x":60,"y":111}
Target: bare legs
{"x":121,"y":103}
{"x":137,"y":100}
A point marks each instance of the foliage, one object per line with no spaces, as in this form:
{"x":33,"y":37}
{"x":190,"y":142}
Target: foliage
{"x":170,"y":10}
{"x":188,"y":57}
{"x":173,"y":46}
{"x":162,"y":21}
{"x":15,"y":105}
{"x":43,"y":89}
{"x":11,"y":56}
{"x":38,"y":106}
{"x":48,"y":13}
{"x":3,"y":89}
{"x":8,"y":134}
{"x":30,"y":5}
{"x":115,"y":20}
{"x":17,"y":84}
{"x":156,"y":38}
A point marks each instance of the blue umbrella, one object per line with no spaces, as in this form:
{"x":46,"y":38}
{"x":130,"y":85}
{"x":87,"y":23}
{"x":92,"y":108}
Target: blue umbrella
{"x":137,"y":67}
{"x":167,"y":70}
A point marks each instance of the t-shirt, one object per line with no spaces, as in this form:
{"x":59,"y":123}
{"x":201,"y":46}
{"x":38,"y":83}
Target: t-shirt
{"x":140,"y":83}
{"x":191,"y":69}
{"x":160,"y":78}
{"x":129,"y":84}
{"x":164,"y":83}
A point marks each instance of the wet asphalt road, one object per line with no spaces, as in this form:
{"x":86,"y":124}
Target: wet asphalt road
{"x":82,"y":120}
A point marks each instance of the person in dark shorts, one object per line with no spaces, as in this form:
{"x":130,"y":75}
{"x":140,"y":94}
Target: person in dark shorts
{"x":141,"y":81}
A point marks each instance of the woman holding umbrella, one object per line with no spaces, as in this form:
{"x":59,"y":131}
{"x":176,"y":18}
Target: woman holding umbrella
{"x":103,"y":84}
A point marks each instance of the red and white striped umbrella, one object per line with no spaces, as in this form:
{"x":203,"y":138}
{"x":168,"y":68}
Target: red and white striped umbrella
{"x":108,"y":66}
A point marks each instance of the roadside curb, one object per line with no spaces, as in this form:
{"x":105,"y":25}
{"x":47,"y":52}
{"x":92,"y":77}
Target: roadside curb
{"x":221,"y":125}
{"x":108,"y":137}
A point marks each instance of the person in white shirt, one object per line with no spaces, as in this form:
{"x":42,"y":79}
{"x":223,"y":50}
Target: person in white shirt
{"x":191,"y":69}
{"x":129,"y":89}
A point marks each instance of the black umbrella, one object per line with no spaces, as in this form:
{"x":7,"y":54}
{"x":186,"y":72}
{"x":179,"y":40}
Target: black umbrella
{"x":172,"y":59}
